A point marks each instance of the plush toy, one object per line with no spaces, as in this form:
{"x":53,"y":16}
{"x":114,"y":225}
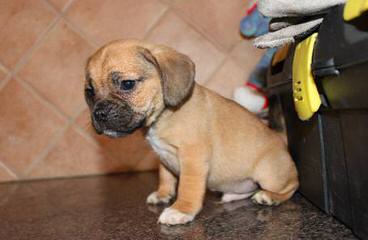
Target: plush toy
{"x":251,"y":95}
{"x":291,"y":20}
{"x":254,"y":24}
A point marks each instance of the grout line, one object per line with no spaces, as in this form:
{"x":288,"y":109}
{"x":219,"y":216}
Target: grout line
{"x":7,"y":76}
{"x":4,"y":69}
{"x":51,"y":7}
{"x":9,"y":170}
{"x":67,"y":6}
{"x":59,"y":11}
{"x":159,"y":20}
{"x":5,"y":81}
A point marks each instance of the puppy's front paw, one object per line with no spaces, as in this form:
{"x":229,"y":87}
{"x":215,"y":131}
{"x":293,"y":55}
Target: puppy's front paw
{"x":154,"y":198}
{"x":171,"y":216}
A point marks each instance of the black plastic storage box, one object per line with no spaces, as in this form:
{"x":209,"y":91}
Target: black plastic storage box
{"x":331,"y":148}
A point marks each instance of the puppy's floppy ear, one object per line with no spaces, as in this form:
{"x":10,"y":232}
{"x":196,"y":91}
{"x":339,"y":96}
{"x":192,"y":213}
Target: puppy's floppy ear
{"x":177,"y":74}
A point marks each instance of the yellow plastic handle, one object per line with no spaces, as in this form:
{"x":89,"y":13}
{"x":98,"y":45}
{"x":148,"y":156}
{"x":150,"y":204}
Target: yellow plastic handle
{"x":354,"y":8}
{"x":305,"y":93}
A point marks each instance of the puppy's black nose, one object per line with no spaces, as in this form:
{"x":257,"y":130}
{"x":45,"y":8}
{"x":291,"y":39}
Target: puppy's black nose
{"x":100,"y":115}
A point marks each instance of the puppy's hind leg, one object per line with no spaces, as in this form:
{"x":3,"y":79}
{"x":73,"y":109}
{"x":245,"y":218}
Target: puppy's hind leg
{"x":278,"y":181}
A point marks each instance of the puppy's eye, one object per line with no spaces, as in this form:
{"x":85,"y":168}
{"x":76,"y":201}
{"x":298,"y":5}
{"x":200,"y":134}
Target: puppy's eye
{"x":89,"y":91}
{"x":127,"y":85}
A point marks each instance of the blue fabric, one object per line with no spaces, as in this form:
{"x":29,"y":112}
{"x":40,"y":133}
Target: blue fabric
{"x":254,"y":24}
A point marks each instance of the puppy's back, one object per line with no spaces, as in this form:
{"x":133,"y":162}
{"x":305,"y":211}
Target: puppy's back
{"x":239,"y":138}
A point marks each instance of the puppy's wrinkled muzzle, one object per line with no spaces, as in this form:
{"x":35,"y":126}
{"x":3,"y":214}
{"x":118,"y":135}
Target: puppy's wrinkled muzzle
{"x":115,"y":119}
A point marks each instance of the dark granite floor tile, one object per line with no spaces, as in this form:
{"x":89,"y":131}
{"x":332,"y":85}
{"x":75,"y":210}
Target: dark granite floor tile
{"x":113,"y":207}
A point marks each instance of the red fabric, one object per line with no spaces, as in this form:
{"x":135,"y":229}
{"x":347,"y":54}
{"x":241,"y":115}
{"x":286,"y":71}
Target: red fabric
{"x":251,"y":9}
{"x":254,"y":87}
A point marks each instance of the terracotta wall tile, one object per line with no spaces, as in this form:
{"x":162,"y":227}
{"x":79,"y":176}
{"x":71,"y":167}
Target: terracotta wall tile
{"x":109,"y":20}
{"x":246,"y":55}
{"x":174,"y":32}
{"x":74,"y":156}
{"x":3,"y":73}
{"x":219,"y":20}
{"x":21,"y":22}
{"x":236,"y":70}
{"x":27,"y":127}
{"x":133,"y":149}
{"x":56,"y":69}
{"x":227,"y":78}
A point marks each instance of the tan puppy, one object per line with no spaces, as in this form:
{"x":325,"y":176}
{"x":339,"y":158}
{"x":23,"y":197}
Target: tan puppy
{"x":203,"y":139}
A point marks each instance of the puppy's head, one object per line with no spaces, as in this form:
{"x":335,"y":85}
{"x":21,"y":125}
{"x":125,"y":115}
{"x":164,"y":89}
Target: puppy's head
{"x":129,"y":83}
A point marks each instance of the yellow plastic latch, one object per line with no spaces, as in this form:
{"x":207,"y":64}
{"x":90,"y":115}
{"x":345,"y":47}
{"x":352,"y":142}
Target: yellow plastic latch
{"x":280,"y":55}
{"x":305,"y":93}
{"x":354,"y":8}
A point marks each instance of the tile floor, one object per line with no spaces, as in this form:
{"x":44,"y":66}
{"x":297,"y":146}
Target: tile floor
{"x":45,"y":128}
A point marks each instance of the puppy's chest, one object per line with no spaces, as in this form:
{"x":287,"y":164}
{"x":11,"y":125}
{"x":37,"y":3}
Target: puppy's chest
{"x":167,"y":153}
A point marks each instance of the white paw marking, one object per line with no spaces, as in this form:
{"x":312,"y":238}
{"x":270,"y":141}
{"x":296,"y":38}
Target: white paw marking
{"x":230,"y":197}
{"x":262,"y":198}
{"x":153,"y":198}
{"x":171,"y":216}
